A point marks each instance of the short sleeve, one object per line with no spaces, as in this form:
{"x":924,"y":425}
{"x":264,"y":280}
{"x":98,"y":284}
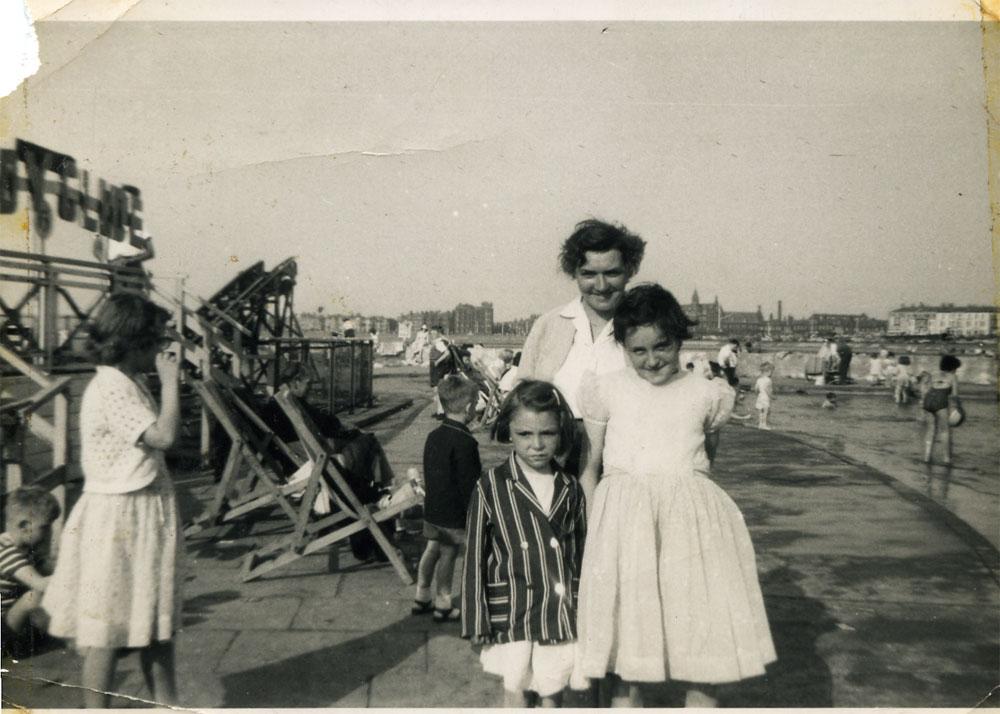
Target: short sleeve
{"x":720,"y":407}
{"x":592,"y":399}
{"x":128,"y":410}
{"x":12,"y":559}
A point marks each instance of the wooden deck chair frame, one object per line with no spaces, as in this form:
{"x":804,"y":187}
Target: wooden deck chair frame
{"x":311,"y":535}
{"x":492,"y":409}
{"x":493,"y":402}
{"x":249,"y":455}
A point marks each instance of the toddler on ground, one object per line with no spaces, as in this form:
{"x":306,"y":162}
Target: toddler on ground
{"x":24,"y":566}
{"x":901,"y":384}
{"x":764,"y":387}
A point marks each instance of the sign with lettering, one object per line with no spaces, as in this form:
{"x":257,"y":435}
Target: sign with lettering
{"x":50,"y":177}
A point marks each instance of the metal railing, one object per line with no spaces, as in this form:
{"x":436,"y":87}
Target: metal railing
{"x":42,"y":324}
{"x":341,"y":368}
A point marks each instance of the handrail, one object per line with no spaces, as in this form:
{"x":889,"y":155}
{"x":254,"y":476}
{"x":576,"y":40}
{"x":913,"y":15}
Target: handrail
{"x":28,"y":405}
{"x":42,"y":258}
{"x":174,"y":302}
{"x":55,"y":432}
{"x":35,"y":375}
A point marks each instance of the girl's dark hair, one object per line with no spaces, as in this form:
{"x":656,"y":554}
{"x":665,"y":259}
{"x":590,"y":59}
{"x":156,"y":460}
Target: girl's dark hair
{"x":537,"y":396}
{"x":651,"y":304}
{"x":125,"y":323}
{"x":950,"y":363}
{"x":599,"y":237}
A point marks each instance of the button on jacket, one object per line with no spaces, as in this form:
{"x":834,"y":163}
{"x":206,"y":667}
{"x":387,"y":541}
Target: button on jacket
{"x":522,"y":567}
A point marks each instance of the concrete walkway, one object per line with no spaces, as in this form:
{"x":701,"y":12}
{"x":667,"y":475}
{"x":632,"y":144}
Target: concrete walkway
{"x":876,"y":597}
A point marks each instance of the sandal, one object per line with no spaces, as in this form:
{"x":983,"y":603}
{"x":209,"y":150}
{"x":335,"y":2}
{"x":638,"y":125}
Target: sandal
{"x":445,"y":615}
{"x":421,"y":607}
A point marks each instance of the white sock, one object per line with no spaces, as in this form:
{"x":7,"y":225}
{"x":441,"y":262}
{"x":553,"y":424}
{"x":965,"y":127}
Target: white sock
{"x":423,"y":594}
{"x":443,"y":601}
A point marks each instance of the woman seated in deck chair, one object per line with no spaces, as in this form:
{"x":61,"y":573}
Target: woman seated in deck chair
{"x":366,"y":468}
{"x":369,"y":472}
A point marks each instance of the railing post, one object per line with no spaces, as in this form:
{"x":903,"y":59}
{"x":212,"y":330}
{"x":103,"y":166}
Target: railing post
{"x":371,"y":374}
{"x":50,"y":313}
{"x":353,"y":364}
{"x":331,"y":378}
{"x":60,"y":449}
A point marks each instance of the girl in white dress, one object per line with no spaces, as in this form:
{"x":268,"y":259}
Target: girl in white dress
{"x":115,"y":581}
{"x":669,"y":586}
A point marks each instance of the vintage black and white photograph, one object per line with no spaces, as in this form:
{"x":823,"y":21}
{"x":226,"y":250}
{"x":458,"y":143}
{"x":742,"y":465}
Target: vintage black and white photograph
{"x":462,"y":355}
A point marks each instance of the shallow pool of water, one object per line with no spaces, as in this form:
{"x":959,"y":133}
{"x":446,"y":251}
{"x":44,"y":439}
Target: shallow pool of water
{"x":875,"y":430}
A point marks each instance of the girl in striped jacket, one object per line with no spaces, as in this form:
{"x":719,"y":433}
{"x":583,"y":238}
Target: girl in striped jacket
{"x":526,"y":529}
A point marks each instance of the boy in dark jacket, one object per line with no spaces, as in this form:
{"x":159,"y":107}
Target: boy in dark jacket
{"x":451,"y":470}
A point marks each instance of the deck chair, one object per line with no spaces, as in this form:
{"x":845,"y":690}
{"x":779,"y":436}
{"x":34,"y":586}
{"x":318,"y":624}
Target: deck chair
{"x":489,"y":389}
{"x":254,"y":470}
{"x":312,"y":533}
{"x":493,"y":399}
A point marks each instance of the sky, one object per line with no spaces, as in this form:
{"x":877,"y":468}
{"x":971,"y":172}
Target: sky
{"x":836,"y":166}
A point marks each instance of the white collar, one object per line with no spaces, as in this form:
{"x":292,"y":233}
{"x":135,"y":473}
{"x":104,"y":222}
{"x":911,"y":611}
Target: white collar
{"x":573,"y":308}
{"x":575,"y":311}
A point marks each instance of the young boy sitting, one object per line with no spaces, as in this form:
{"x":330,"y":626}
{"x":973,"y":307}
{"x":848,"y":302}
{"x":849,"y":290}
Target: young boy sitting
{"x":451,"y":470}
{"x":24,"y":571}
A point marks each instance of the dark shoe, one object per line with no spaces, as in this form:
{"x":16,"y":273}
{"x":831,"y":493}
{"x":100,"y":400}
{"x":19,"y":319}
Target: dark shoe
{"x":442,"y":616}
{"x":421,"y":607}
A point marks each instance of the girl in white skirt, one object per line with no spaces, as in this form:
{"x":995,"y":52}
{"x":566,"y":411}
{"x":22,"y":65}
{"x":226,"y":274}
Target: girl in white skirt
{"x":525,"y":542}
{"x":669,"y":588}
{"x":115,"y":584}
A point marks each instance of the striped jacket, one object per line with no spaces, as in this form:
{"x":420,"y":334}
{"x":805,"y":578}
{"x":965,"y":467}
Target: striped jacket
{"x":522,"y":566}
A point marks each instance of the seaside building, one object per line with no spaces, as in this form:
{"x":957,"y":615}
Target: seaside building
{"x":708,"y":316}
{"x":472,"y":320}
{"x":826,"y":323}
{"x":961,"y":320}
{"x":465,"y":319}
{"x":746,"y":324}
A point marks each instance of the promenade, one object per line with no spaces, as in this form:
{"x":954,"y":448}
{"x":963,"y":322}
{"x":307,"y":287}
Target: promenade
{"x":876,"y":597}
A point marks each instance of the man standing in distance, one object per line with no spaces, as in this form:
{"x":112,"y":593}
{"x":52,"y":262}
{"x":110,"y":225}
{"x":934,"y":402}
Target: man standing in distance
{"x":576,"y":338}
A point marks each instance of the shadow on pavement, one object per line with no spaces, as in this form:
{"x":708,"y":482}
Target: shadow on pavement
{"x":325,"y":676}
{"x":800,"y":677}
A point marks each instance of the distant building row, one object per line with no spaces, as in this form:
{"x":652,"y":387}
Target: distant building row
{"x":714,"y":321}
{"x":463,"y":320}
{"x":960,"y":320}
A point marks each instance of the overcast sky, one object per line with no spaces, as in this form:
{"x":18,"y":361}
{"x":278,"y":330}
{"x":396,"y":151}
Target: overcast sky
{"x":839,"y":167}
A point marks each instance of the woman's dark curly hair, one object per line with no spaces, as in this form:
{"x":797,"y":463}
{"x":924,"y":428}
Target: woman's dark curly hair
{"x":538,"y":396}
{"x":599,"y":237}
{"x":125,"y":323}
{"x":651,"y":304}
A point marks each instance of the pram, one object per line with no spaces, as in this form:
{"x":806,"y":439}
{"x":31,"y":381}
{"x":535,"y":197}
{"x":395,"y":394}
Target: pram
{"x":488,"y":403}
